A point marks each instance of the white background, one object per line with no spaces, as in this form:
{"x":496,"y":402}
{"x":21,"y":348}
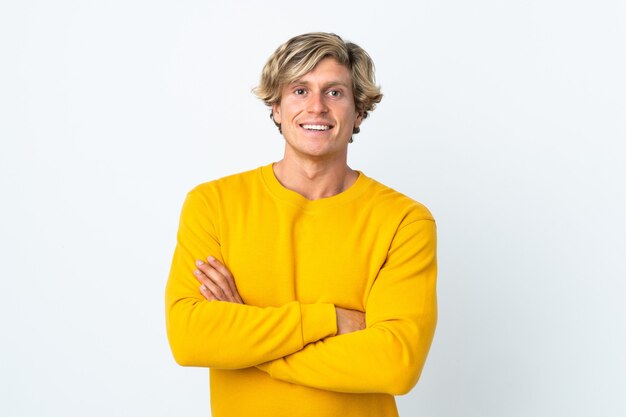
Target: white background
{"x":506,"y":118}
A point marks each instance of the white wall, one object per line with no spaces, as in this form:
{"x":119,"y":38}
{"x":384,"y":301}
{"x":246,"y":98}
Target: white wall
{"x":506,"y":118}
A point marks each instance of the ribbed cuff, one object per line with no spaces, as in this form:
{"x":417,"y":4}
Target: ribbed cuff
{"x":318,"y":321}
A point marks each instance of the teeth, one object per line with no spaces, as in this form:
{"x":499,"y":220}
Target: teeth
{"x":316,"y":127}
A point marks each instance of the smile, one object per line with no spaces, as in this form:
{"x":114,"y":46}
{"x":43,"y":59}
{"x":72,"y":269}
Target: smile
{"x":316,"y":127}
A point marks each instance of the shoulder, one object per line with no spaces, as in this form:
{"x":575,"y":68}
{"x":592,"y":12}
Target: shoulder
{"x":234,"y":183}
{"x":389,"y":202}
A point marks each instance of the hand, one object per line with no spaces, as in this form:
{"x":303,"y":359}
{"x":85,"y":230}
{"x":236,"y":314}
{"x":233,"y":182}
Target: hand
{"x":349,"y":321}
{"x":217,"y":283}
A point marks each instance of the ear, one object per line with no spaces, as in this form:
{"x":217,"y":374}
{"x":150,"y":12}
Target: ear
{"x":358,"y":120}
{"x":276,"y":112}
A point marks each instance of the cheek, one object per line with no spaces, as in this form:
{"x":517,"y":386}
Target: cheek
{"x":353,"y":116}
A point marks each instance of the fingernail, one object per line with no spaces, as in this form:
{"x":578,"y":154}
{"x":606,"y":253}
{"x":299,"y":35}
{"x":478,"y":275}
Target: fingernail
{"x":196,"y":272}
{"x":199,"y":262}
{"x":211,"y":259}
{"x":202,"y":287}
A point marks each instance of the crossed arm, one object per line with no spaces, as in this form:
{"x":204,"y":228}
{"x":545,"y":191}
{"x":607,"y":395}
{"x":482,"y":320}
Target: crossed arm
{"x":388,"y":354}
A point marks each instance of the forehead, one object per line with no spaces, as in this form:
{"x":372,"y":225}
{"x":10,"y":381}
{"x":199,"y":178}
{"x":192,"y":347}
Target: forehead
{"x":327,"y":71}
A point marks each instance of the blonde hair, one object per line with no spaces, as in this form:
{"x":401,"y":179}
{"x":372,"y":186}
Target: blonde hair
{"x":300,"y":54}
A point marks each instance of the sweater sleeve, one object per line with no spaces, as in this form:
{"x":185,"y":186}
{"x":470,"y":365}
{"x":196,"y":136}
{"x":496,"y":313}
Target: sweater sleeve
{"x":401,"y":314}
{"x":227,"y":335}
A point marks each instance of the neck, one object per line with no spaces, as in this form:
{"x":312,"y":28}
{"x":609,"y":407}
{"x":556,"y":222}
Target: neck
{"x":315,"y":179}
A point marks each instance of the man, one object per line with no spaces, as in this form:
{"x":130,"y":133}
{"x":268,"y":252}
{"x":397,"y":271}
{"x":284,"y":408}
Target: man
{"x":307,"y":287}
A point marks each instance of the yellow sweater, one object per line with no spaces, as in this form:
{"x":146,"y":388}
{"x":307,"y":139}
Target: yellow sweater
{"x":369,"y":248}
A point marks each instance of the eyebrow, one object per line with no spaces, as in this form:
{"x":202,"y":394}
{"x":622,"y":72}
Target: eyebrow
{"x":330,"y":84}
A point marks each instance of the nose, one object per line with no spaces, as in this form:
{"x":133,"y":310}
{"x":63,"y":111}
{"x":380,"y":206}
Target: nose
{"x":316,"y":103}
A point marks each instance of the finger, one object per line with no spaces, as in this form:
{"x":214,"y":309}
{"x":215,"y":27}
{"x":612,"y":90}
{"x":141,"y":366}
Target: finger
{"x":224,"y":279}
{"x":217,"y":280}
{"x":229,"y":277}
{"x":207,"y":293}
{"x":221,"y":281}
{"x":213,"y":288}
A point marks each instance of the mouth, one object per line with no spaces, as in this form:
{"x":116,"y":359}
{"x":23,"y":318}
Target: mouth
{"x":316,"y":127}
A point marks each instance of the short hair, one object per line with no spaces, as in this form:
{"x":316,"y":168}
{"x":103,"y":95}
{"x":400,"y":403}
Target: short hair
{"x":300,"y":54}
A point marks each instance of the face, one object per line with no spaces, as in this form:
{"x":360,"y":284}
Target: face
{"x":317,"y":112}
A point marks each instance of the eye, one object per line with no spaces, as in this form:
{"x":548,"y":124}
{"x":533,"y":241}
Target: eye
{"x":334,"y":93}
{"x":299,"y":91}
